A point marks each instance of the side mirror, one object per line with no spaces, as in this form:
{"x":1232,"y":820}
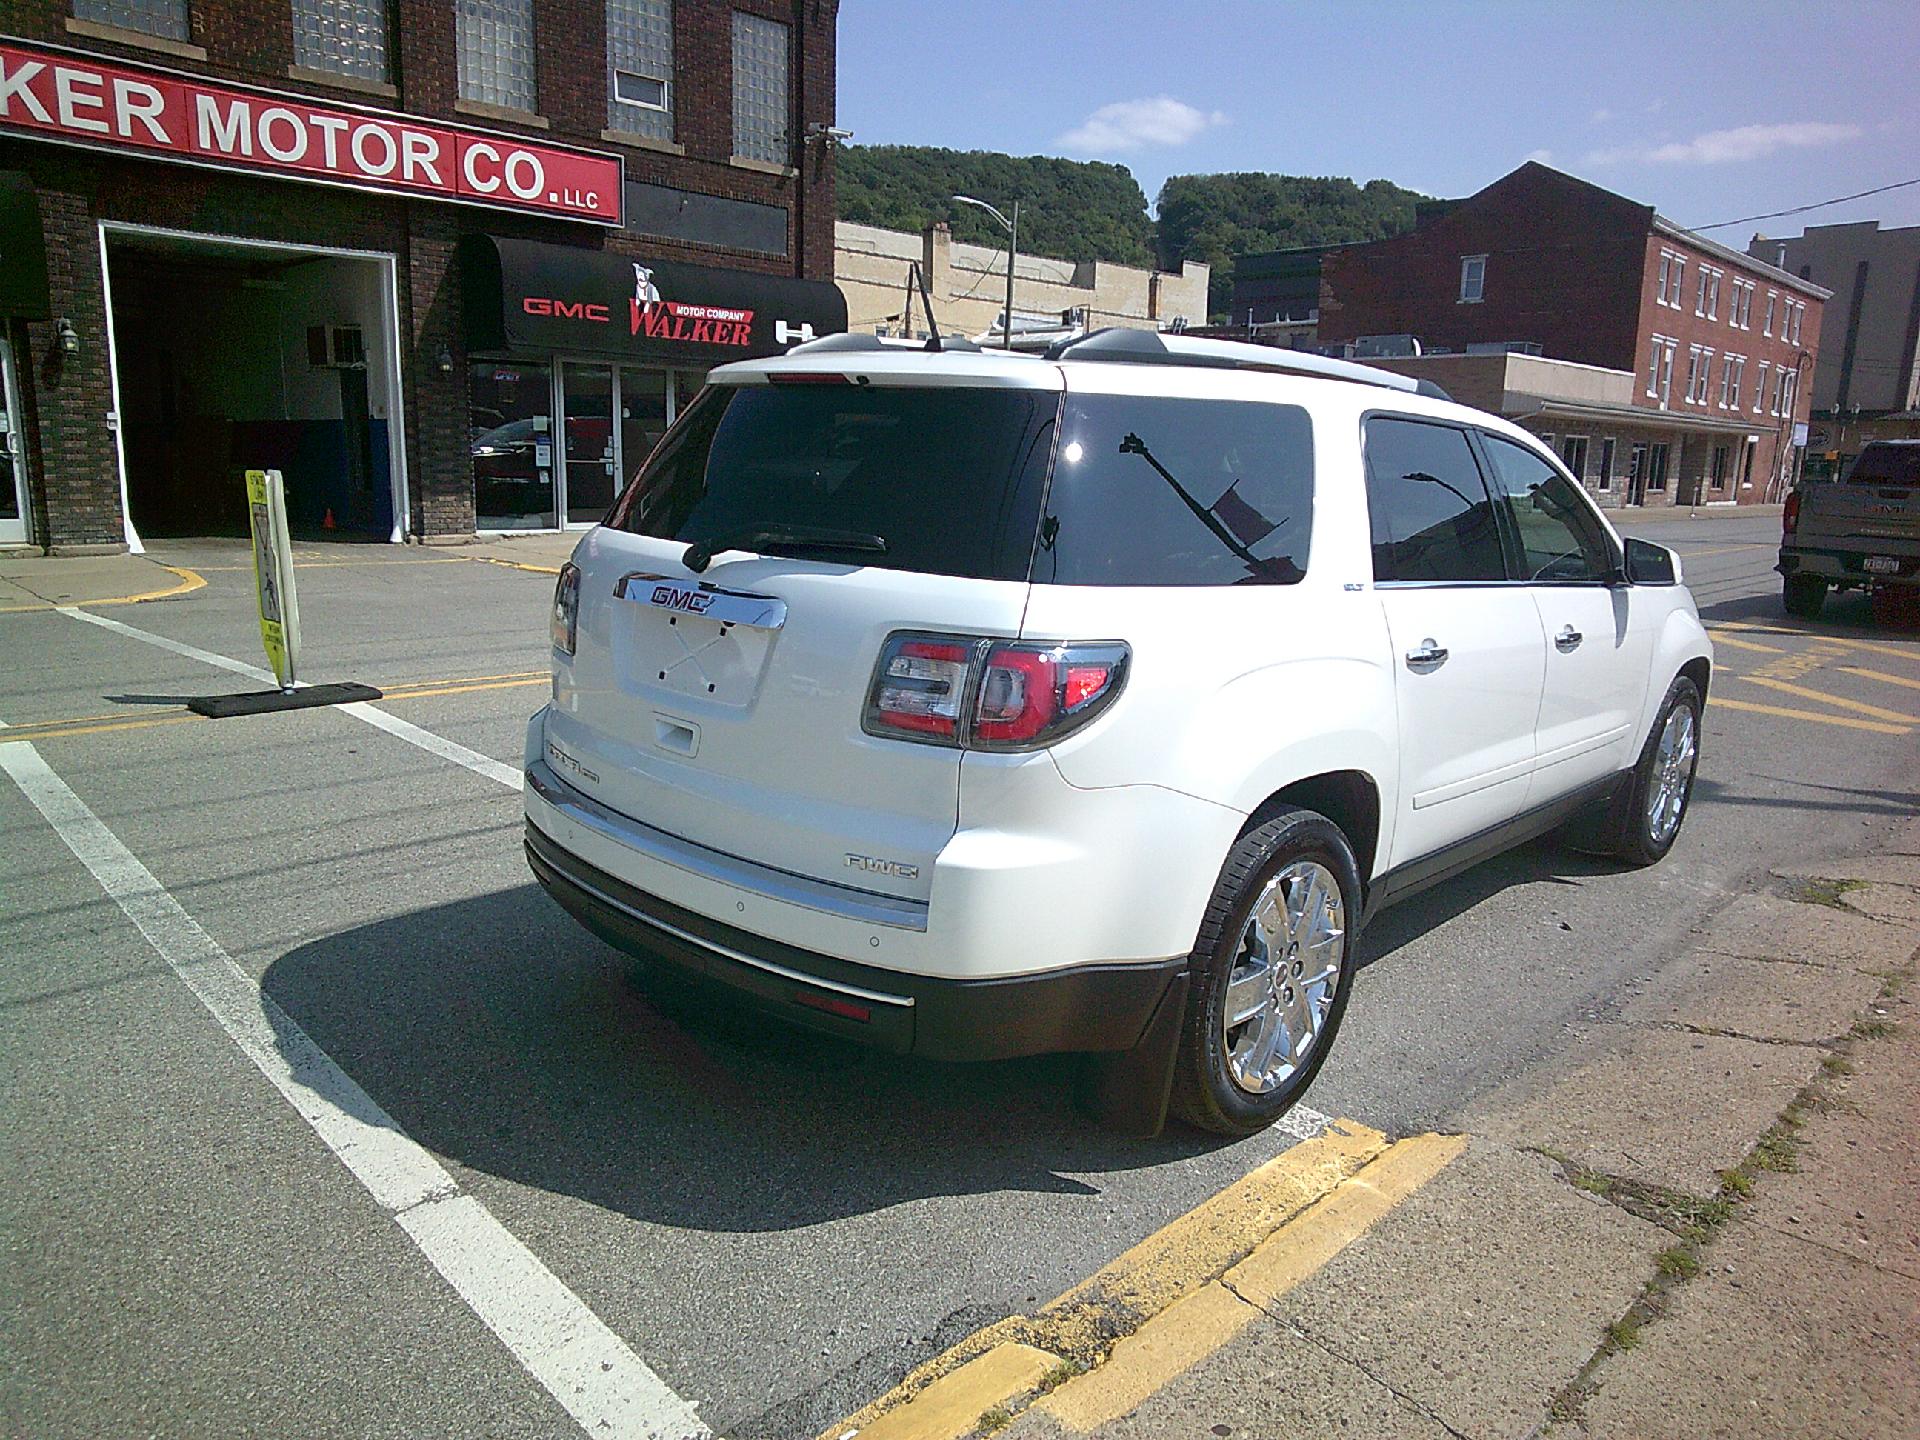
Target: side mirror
{"x":1651,"y":564}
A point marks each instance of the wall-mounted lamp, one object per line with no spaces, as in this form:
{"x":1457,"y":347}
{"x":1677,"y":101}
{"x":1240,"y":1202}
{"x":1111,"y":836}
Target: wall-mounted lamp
{"x":445,"y":359}
{"x":66,"y":336}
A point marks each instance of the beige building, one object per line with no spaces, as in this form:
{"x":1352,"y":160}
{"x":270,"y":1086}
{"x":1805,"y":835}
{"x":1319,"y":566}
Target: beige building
{"x":968,"y":284}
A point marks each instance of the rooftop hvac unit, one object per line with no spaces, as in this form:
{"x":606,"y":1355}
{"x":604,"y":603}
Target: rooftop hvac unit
{"x":1385,"y":347}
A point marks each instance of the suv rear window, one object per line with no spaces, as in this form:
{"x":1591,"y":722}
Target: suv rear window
{"x":1159,"y":491}
{"x":949,"y":477}
{"x":1886,"y":465}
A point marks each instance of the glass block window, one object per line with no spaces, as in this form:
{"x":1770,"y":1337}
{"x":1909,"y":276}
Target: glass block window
{"x":495,"y":41}
{"x":760,"y":90}
{"x":164,"y":18}
{"x":342,"y":37}
{"x":640,"y":67}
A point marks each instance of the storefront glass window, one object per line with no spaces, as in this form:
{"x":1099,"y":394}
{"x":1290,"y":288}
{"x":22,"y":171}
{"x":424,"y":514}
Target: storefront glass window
{"x":686,"y":385}
{"x":164,"y":18}
{"x":760,"y":89}
{"x":643,"y":417}
{"x":511,"y":435}
{"x":640,"y":67}
{"x":342,"y":37}
{"x":495,"y":41}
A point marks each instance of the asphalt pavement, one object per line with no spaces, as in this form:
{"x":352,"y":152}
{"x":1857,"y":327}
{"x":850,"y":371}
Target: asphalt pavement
{"x":774,"y":1226}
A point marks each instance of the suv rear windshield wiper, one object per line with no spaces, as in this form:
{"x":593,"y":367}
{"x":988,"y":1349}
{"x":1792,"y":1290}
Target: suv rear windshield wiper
{"x":700,"y":554}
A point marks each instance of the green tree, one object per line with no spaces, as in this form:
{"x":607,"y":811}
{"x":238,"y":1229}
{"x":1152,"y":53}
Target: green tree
{"x":1214,"y":218}
{"x":1069,"y":209}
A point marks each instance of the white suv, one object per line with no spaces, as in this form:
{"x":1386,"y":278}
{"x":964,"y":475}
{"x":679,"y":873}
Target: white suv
{"x":981,"y":705}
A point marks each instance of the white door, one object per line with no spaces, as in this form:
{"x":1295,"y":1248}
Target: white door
{"x":1468,"y":650}
{"x":1599,"y":647}
{"x":13,"y":455}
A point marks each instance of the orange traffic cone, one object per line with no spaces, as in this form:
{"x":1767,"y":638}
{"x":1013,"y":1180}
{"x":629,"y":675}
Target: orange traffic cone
{"x":326,"y":522}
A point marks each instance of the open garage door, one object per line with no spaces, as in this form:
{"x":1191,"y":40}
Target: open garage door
{"x":231,"y":356}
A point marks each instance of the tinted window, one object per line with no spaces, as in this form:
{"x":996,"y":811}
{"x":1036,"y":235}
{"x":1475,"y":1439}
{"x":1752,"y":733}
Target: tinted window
{"x":1559,"y":538}
{"x":1432,"y":519}
{"x":1155,"y":491}
{"x":1887,"y":465}
{"x":949,"y":478}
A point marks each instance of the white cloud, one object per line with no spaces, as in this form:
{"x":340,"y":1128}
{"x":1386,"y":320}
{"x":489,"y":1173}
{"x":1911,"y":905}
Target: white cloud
{"x":1130,"y":124}
{"x":1600,"y":116}
{"x":1744,"y":142}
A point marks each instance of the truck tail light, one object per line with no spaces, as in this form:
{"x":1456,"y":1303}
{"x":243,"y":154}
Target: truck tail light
{"x":1790,"y":517}
{"x":980,"y":694}
{"x":566,"y":608}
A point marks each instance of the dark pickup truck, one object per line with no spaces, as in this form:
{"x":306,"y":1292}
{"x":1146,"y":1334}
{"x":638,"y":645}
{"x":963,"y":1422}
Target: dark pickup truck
{"x":1863,"y":530}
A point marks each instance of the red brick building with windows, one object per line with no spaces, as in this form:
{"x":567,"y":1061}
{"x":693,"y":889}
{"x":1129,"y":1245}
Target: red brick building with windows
{"x":447,"y":266}
{"x":1720,"y":346}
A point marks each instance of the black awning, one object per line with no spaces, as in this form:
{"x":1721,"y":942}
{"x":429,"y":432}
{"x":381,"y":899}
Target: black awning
{"x":526,"y":295}
{"x":23,"y":250}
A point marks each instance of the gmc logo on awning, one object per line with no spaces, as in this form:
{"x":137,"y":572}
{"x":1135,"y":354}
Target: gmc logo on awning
{"x":566,"y":309}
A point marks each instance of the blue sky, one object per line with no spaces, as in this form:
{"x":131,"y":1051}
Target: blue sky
{"x":1707,"y":110}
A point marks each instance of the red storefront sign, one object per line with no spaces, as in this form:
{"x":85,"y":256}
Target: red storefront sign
{"x":73,"y":98}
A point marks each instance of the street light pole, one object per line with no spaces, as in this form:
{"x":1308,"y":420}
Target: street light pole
{"x":1012,"y":228}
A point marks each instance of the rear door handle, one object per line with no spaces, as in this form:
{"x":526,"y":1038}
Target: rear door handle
{"x":1426,"y":656}
{"x":1568,"y":640}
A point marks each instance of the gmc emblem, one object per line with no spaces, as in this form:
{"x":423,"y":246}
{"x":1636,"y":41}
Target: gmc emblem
{"x":672,"y":597}
{"x":566,"y":309}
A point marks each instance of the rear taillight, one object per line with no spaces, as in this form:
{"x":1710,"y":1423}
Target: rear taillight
{"x":1790,"y":517}
{"x":981,"y":694}
{"x":566,"y":608}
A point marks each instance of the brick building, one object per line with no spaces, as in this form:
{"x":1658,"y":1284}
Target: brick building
{"x":447,"y":266}
{"x":1719,"y":345}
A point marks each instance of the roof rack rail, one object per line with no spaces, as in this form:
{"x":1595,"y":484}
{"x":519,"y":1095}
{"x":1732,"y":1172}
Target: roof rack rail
{"x":1121,"y":345}
{"x":845,"y":340}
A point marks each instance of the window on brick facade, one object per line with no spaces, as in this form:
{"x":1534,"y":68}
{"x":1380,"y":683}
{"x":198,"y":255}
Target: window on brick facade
{"x":1604,"y":480}
{"x":1739,"y":368}
{"x":342,"y":37}
{"x":640,"y":67}
{"x":1799,"y":313}
{"x":1717,"y":469}
{"x":495,"y":42}
{"x":166,"y":19}
{"x":1473,"y":279}
{"x":1666,"y":274}
{"x":1713,"y":294}
{"x":1654,"y":351}
{"x":761,"y":61}
{"x":1700,"y":293}
{"x":1573,"y":453}
{"x":1766,"y":326}
{"x":1667,"y":350}
{"x":1695,"y":384}
{"x":1760,"y":387}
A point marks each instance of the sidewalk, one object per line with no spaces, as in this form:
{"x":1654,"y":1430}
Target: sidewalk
{"x":38,"y":582}
{"x":1655,"y":514}
{"x":1702,"y":1220}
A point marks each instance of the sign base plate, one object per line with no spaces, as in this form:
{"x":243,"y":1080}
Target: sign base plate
{"x":262,"y":702}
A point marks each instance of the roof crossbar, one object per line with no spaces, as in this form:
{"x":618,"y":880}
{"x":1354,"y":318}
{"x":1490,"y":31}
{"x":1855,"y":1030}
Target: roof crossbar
{"x":1120,"y":345}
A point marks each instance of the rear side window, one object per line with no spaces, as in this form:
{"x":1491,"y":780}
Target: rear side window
{"x":1432,"y":517}
{"x":1887,"y":465}
{"x":950,"y":478}
{"x":1159,"y":491}
{"x":1560,"y":541}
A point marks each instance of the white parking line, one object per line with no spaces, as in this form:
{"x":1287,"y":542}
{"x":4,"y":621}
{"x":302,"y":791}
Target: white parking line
{"x":360,"y":710}
{"x":606,"y":1388}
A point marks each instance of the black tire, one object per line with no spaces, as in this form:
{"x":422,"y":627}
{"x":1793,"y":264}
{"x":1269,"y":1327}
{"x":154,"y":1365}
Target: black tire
{"x":1895,"y":606}
{"x":1634,"y":839}
{"x":1803,"y":595}
{"x":1205,"y":1094}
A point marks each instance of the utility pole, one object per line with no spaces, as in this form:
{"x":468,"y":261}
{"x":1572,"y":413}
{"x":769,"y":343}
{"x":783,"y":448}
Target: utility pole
{"x":1012,"y":228}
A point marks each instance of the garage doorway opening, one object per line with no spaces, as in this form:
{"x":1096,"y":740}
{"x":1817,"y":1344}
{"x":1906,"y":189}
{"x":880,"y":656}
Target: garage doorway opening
{"x":233,"y":355}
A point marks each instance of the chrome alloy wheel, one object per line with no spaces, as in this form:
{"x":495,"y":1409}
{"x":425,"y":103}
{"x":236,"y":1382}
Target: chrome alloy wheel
{"x":1285,"y":975}
{"x":1672,"y":775}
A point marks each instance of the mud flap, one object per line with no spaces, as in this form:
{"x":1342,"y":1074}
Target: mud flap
{"x":1127,"y":1092}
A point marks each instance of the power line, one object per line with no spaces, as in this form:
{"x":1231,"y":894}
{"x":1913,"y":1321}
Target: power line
{"x":1802,"y":209}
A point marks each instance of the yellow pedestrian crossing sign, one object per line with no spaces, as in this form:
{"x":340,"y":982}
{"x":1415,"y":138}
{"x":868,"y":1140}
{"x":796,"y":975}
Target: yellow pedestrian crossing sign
{"x":273,"y":573}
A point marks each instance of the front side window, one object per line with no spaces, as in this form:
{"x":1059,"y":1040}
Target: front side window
{"x":165,"y":19}
{"x":761,"y":59}
{"x":640,"y":67}
{"x":495,"y":43}
{"x":1431,"y":515}
{"x":1473,"y":279}
{"x":1161,"y":491}
{"x":1560,"y":540}
{"x":342,"y":37}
